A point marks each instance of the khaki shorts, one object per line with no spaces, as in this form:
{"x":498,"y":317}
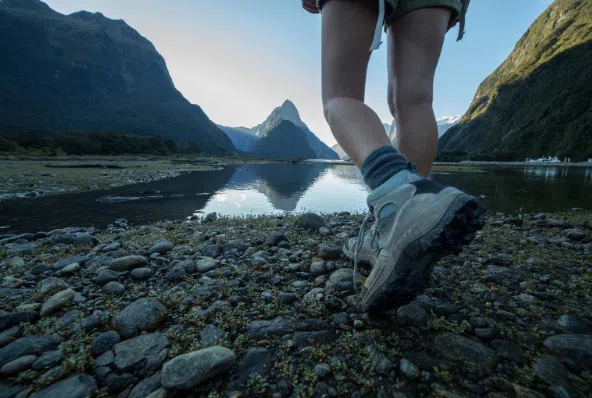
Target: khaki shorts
{"x":395,"y":9}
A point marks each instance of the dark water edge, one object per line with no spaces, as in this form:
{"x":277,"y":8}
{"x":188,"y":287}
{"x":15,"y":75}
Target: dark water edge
{"x":284,"y":188}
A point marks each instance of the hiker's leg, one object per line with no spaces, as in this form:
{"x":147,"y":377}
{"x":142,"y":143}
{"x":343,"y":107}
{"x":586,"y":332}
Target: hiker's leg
{"x":414,"y":45}
{"x":347,"y":32}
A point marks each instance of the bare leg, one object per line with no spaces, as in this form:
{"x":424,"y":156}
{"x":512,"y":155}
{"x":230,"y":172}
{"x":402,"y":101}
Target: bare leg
{"x":414,"y":46}
{"x":348,"y":28}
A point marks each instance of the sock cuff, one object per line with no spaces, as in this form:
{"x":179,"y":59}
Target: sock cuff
{"x":375,"y":157}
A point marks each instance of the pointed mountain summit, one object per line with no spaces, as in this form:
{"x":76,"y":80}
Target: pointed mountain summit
{"x":84,"y":73}
{"x":537,"y":102}
{"x":285,"y":141}
{"x":288,"y":112}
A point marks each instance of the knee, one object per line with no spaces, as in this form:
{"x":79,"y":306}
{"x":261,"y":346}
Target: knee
{"x":410,"y":94}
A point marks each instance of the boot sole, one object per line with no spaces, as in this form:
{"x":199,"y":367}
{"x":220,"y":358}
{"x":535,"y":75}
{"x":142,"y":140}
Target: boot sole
{"x":411,"y":273}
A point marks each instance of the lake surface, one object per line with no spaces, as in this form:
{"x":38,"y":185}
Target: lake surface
{"x":278,"y":188}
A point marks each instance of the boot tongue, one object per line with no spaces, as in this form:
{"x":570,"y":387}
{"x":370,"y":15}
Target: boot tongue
{"x":392,"y":183}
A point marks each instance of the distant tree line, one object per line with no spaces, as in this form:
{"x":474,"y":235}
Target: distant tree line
{"x":493,"y":156}
{"x":69,"y":143}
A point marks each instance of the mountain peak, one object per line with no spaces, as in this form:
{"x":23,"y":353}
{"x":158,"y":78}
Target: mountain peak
{"x":26,"y":4}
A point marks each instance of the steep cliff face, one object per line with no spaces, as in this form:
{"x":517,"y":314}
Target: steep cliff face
{"x":538,"y":101}
{"x":85,"y":72}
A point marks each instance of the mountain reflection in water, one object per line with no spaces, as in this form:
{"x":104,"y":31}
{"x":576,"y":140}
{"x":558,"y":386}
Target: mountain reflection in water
{"x":274,"y":188}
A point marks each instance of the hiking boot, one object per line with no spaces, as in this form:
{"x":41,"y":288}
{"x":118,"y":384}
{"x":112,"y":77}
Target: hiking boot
{"x":417,"y":222}
{"x":372,"y":240}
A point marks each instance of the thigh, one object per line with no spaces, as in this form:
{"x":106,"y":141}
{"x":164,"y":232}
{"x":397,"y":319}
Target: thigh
{"x":414,"y":45}
{"x":347,"y":32}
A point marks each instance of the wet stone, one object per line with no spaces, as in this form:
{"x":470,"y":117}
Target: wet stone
{"x":275,"y":237}
{"x":574,"y":349}
{"x":143,"y":314}
{"x":18,"y":365}
{"x":161,"y":247}
{"x":189,"y":370}
{"x":141,"y":274}
{"x":310,"y":221}
{"x":56,"y":302}
{"x":455,"y":347}
{"x":104,"y":342}
{"x":550,"y":370}
{"x":48,"y":360}
{"x":211,"y":335}
{"x":14,"y":318}
{"x":409,"y":369}
{"x":105,"y":276}
{"x":147,"y":386}
{"x":176,"y":274}
{"x":114,"y":288}
{"x":128,"y":263}
{"x":78,"y":386}
{"x":412,"y":315}
{"x":509,"y":350}
{"x":146,"y":350}
{"x":572,"y":324}
{"x":254,"y":362}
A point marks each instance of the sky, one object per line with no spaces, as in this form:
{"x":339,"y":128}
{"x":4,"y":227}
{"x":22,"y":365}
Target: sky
{"x":239,"y":59}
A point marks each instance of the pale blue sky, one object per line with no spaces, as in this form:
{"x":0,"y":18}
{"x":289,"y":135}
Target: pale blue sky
{"x":238,"y":59}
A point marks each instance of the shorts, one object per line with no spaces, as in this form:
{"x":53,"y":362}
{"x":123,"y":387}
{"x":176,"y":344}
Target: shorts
{"x":395,"y":9}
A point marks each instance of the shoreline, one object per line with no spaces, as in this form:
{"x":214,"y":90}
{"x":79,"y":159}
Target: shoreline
{"x":273,"y":297}
{"x":32,"y":177}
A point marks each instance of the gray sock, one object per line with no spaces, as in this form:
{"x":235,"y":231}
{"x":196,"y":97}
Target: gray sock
{"x":381,"y":165}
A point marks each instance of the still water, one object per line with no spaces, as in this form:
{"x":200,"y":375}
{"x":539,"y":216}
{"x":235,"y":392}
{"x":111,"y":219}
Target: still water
{"x":282,"y":187}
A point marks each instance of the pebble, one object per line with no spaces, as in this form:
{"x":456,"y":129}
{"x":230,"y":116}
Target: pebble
{"x":321,"y":370}
{"x":161,"y":247}
{"x":128,"y":263}
{"x":550,"y":370}
{"x":509,"y":350}
{"x":143,"y":353}
{"x":455,"y":347}
{"x":409,"y":369}
{"x":570,"y":324}
{"x":176,"y":274}
{"x":310,"y":221}
{"x":51,"y":285}
{"x":317,"y":267}
{"x":574,"y":349}
{"x":254,"y":362}
{"x":147,"y":386}
{"x":30,"y":345}
{"x":57,"y":301}
{"x":105,"y":276}
{"x":141,"y":315}
{"x":70,"y":269}
{"x":77,"y":386}
{"x":141,"y":274}
{"x":288,"y":298}
{"x":14,"y":318}
{"x":205,"y":264}
{"x":575,"y":234}
{"x":275,"y":237}
{"x":114,"y":288}
{"x":412,"y":315}
{"x":329,"y":252}
{"x":48,"y":360}
{"x":211,"y":335}
{"x":18,"y":365}
{"x":187,"y":371}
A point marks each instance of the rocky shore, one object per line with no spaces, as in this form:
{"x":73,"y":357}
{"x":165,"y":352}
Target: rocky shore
{"x":31,"y":178}
{"x":265,"y":306}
